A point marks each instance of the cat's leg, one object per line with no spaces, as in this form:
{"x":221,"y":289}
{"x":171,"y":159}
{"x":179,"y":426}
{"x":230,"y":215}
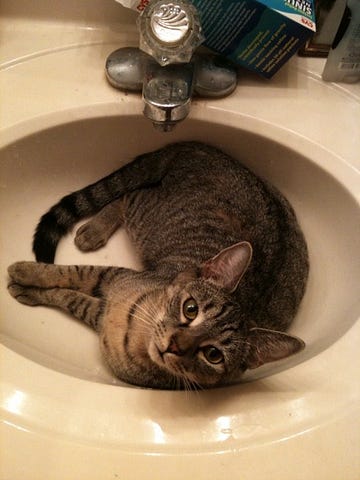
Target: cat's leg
{"x":79,"y":290}
{"x":84,"y":307}
{"x":95,"y":233}
{"x":90,"y":280}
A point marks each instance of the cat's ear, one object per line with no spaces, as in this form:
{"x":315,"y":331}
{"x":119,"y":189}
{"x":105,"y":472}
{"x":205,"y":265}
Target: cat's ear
{"x":270,"y":345}
{"x":228,"y":266}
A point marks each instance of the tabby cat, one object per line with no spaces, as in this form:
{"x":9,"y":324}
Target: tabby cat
{"x":224,"y":261}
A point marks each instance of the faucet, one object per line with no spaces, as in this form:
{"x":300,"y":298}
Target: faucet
{"x":165,"y":68}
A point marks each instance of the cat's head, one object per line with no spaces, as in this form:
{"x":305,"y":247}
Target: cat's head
{"x":202,"y":337}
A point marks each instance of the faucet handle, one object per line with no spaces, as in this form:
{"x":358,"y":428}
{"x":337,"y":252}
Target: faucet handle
{"x":170,"y":31}
{"x":125,"y":68}
{"x":215,"y":76}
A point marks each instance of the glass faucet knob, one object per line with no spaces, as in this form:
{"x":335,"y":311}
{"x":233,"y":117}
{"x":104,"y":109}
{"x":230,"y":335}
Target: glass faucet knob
{"x":170,"y":23}
{"x":170,"y":31}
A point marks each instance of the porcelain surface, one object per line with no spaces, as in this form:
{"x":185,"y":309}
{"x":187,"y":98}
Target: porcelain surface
{"x":63,"y":415}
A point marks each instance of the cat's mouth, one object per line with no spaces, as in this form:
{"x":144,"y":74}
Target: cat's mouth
{"x":173,"y":363}
{"x":163,"y":357}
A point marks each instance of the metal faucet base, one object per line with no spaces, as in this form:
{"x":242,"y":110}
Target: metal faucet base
{"x":167,"y":90}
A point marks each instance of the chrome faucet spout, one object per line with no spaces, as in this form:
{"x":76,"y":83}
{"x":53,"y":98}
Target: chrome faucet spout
{"x":167,"y":90}
{"x":167,"y":94}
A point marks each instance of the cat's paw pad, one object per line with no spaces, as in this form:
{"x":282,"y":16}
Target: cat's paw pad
{"x":90,"y":237}
{"x":23,"y":273}
{"x":25,"y":295}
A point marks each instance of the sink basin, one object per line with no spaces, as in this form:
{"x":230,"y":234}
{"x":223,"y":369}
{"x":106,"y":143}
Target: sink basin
{"x":56,"y":160}
{"x":41,"y":167}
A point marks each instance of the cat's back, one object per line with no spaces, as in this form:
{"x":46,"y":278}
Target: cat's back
{"x":207,"y":201}
{"x":198,"y":165}
{"x":199,"y":178}
{"x":204,"y":194}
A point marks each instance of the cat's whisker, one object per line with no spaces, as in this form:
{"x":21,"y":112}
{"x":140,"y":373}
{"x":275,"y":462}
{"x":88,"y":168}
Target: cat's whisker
{"x":183,"y":381}
{"x":144,"y":320}
{"x":143,"y":327}
{"x":143,"y":314}
{"x":179,"y":377}
{"x":188,"y":384}
{"x":152,"y":303}
{"x":153,"y":308}
{"x":176,"y":382}
{"x":197,"y":386}
{"x":145,"y":311}
{"x":179,"y":383}
{"x":192,"y":387}
{"x":142,"y":308}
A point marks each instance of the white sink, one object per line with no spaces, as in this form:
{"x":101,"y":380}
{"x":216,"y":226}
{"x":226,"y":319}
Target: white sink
{"x":40,"y":168}
{"x":63,"y":414}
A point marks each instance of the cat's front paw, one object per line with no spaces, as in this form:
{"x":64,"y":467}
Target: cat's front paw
{"x":24,"y":273}
{"x":90,"y":237}
{"x":25,"y":295}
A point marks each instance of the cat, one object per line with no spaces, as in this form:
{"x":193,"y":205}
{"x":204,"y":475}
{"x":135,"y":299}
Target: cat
{"x":225,"y":266}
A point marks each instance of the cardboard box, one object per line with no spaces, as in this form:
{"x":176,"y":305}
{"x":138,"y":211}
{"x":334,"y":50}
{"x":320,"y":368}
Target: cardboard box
{"x":259,"y":35}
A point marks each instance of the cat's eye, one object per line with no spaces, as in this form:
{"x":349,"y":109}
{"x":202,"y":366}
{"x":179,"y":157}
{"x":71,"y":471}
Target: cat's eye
{"x":213,"y":354}
{"x":190,"y":309}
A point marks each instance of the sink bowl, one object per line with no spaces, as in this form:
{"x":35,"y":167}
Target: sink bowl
{"x":59,"y":397}
{"x":39,"y":168}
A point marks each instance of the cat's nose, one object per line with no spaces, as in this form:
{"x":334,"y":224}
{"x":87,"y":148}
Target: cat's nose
{"x":173,"y":347}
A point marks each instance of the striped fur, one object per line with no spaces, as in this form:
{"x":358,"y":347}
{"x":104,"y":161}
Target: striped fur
{"x":225,"y":268}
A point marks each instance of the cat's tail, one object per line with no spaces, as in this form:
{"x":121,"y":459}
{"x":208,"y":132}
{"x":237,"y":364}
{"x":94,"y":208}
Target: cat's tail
{"x":64,"y":215}
{"x":145,"y":170}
